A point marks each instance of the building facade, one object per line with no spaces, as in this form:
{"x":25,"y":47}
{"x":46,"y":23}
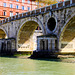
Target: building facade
{"x":14,"y":7}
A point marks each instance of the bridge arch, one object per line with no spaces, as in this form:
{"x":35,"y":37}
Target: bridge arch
{"x":67,"y":35}
{"x":3,"y":33}
{"x":26,"y":35}
{"x":35,"y":19}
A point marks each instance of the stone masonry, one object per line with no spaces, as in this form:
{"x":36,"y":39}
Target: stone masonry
{"x":57,"y":19}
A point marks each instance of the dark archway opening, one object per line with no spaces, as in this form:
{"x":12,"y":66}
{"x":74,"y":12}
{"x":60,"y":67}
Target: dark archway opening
{"x":51,"y":24}
{"x":38,"y":28}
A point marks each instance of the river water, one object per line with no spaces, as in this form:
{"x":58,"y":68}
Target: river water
{"x":18,"y":66}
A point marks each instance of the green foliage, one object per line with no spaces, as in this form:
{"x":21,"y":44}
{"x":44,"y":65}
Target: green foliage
{"x":46,"y":1}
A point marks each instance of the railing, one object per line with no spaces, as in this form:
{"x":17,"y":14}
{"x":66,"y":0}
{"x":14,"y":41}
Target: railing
{"x":38,"y":11}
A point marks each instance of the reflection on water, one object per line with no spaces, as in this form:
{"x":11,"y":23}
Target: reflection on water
{"x":17,"y":66}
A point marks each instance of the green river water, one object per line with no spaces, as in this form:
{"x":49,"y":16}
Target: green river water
{"x":18,"y":66}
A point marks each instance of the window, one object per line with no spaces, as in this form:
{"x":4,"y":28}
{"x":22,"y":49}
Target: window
{"x":17,"y":0}
{"x":23,"y":1}
{"x":17,"y":13}
{"x":28,"y":8}
{"x":4,"y":13}
{"x":22,"y":7}
{"x":4,"y":4}
{"x":28,"y":1}
{"x":11,"y":5}
{"x":11,"y":13}
{"x":17,"y":7}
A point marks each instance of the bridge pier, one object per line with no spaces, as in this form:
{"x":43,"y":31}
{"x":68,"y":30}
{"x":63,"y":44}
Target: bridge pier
{"x":46,"y":43}
{"x":7,"y":46}
{"x":46,"y":46}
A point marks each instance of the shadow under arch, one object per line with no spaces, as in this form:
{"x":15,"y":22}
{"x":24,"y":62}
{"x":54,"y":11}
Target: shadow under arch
{"x":3,"y":34}
{"x":26,"y":37}
{"x":67,"y":36}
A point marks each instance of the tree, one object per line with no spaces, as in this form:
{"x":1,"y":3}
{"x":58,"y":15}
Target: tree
{"x":46,"y":2}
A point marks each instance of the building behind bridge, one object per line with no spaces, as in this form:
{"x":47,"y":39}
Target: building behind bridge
{"x":14,"y":7}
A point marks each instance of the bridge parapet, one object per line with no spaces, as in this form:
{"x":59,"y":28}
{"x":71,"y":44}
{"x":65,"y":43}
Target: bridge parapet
{"x":39,"y":11}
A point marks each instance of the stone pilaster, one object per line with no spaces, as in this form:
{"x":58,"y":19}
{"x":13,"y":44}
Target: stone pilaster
{"x":53,"y":44}
{"x":0,"y":45}
{"x":49,"y":44}
{"x":41,"y":44}
{"x":74,"y":44}
{"x":6,"y":45}
{"x":38,"y":44}
{"x":45,"y":44}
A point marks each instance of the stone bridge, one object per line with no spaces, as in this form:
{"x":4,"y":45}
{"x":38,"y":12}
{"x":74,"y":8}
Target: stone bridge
{"x":48,"y":28}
